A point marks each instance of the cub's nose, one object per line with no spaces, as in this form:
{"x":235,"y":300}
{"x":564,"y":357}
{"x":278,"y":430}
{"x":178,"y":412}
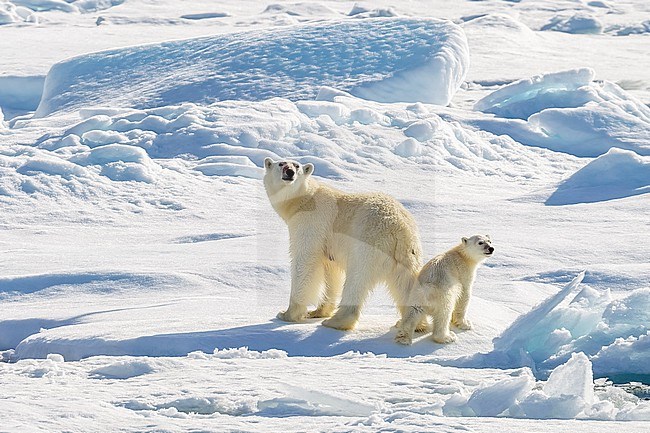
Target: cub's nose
{"x":289,"y":173}
{"x":491,"y":250}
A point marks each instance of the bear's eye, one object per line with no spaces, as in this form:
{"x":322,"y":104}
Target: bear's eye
{"x":480,"y":242}
{"x":281,"y":164}
{"x":297,"y":166}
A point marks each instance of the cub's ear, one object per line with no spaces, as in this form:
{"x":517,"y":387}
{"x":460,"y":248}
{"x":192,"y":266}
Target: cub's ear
{"x":464,"y":240}
{"x":488,"y":237}
{"x":308,"y":169}
{"x":268,"y":162}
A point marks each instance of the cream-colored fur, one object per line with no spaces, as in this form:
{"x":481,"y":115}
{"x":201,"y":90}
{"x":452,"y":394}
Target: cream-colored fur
{"x":444,"y":289}
{"x":341,"y":245}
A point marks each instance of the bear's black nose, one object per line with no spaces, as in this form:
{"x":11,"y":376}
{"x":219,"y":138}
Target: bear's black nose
{"x":491,"y":250}
{"x":289,"y":173}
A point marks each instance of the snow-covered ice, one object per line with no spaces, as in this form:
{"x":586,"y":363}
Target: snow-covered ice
{"x":387,"y":60}
{"x":143,"y":267}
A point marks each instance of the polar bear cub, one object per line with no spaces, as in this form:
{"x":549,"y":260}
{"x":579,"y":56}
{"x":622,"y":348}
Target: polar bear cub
{"x":443,"y":290}
{"x":341,"y":245}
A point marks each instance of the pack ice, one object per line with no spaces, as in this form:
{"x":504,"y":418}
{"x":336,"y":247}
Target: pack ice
{"x":569,"y":112}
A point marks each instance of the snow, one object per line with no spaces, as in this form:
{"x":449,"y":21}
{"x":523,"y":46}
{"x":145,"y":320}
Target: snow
{"x":577,"y":23}
{"x":143,"y":267}
{"x":615,"y":174}
{"x":387,"y":60}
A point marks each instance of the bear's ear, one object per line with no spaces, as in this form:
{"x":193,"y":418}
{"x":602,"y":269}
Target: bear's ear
{"x":488,"y":237}
{"x":268,"y":162}
{"x":308,"y":169}
{"x":464,"y":240}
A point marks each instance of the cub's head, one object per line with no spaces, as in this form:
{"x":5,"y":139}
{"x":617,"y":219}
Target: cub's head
{"x":285,"y":175}
{"x":478,"y":246}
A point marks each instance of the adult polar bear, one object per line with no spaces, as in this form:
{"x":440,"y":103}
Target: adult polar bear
{"x":340,"y":244}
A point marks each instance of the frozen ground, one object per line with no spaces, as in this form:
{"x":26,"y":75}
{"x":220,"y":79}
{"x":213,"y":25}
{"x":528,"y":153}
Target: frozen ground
{"x":142,"y":266}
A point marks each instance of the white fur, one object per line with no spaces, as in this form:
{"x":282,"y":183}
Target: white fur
{"x":444,"y":289}
{"x":341,"y":245}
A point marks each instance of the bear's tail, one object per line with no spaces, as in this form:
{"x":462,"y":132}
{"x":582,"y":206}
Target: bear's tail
{"x":407,"y":264}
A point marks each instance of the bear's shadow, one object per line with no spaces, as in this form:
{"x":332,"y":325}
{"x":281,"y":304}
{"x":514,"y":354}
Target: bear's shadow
{"x":307,"y":338}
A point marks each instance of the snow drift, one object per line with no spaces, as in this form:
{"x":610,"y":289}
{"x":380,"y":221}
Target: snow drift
{"x":616,"y":174}
{"x":384,"y":59}
{"x":569,"y":112}
{"x":339,"y":133}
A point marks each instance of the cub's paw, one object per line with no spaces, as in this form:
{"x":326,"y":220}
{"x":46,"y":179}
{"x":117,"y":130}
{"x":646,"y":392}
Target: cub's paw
{"x":464,"y":324}
{"x":403,"y":338}
{"x":445,"y":338}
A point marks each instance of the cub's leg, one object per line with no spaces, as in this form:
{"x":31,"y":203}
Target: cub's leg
{"x":443,"y":306}
{"x":459,"y":316}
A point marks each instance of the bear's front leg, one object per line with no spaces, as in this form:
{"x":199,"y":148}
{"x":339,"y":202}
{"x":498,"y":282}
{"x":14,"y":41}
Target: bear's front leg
{"x":295,"y":313}
{"x":307,"y":275}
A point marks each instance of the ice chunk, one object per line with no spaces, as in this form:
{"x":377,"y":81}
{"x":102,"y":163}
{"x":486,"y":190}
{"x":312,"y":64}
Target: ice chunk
{"x":516,"y":337}
{"x":245,"y":353}
{"x":522,"y":98}
{"x":541,"y":406}
{"x":640,"y":412}
{"x":626,"y":359}
{"x":569,"y":112}
{"x":568,"y":392}
{"x":574,"y":378}
{"x":493,"y":399}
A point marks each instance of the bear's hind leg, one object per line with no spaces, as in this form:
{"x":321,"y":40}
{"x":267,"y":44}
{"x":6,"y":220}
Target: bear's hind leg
{"x":355,"y":290}
{"x":409,"y":324}
{"x":334,"y":279}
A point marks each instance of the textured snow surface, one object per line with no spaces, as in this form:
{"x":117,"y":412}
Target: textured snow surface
{"x":143,"y":266}
{"x":387,"y":60}
{"x":212,"y":391}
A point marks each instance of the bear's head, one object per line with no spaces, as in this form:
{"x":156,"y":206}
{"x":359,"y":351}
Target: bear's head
{"x":478,"y":246}
{"x":285,"y":177}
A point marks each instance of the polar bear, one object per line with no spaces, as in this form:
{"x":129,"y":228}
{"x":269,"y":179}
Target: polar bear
{"x":341,"y":245}
{"x":443,"y":290}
